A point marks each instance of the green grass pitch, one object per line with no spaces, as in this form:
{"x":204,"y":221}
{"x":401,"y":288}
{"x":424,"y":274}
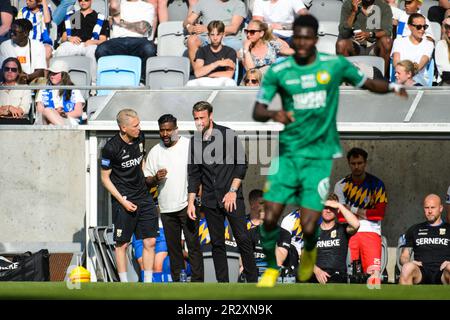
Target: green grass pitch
{"x":214,"y":291}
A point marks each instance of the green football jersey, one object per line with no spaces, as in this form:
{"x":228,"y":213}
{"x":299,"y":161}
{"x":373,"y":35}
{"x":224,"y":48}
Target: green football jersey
{"x":312,"y":93}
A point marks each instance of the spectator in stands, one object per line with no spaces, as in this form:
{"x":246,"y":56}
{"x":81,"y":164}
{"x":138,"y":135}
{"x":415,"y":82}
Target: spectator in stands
{"x":130,"y":31}
{"x":6,"y":18}
{"x":230,"y":12}
{"x":405,"y":71}
{"x":332,"y":245}
{"x":221,"y":178}
{"x":357,"y":37}
{"x":415,"y":48}
{"x":365,"y":245}
{"x":163,"y":13}
{"x":30,"y":53}
{"x":13,"y":103}
{"x":82,"y":32}
{"x":252,"y":78}
{"x":400,"y":19}
{"x":437,"y":13}
{"x":59,"y":106}
{"x":256,"y":202}
{"x":430,"y":242}
{"x":214,"y":63}
{"x":166,"y":167}
{"x":260,"y":48}
{"x":442,"y":53}
{"x":279,"y":15}
{"x":38,"y":12}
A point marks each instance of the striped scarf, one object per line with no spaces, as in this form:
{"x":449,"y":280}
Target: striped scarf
{"x":97,"y":28}
{"x":40,"y":31}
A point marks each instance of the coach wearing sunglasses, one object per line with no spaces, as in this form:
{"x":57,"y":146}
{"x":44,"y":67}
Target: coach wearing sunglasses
{"x":415,"y":47}
{"x":13,"y":103}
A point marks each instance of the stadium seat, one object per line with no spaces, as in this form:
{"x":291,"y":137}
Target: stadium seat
{"x":178,"y":10}
{"x":327,"y":44}
{"x":111,"y":271}
{"x":373,"y":61}
{"x":118,"y":70}
{"x":233,"y":267}
{"x":167,"y":72}
{"x":329,"y":28}
{"x":436,"y":28}
{"x":100,"y":268}
{"x":326,"y":10}
{"x":79,"y":71}
{"x":171,"y":39}
{"x":384,"y":257}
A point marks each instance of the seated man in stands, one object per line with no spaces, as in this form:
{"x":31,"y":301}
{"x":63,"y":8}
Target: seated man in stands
{"x":332,"y":245}
{"x":82,"y":32}
{"x":215,"y":63}
{"x":6,"y":18}
{"x":38,"y":12}
{"x":415,"y":48}
{"x":279,"y":15}
{"x":357,"y":34}
{"x":30,"y":53}
{"x":130,"y":29}
{"x":430,"y":242}
{"x":231,"y":12}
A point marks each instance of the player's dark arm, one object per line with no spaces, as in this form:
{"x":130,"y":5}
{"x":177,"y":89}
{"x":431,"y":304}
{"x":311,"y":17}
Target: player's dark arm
{"x":260,"y":113}
{"x":151,"y":181}
{"x":382,"y":86}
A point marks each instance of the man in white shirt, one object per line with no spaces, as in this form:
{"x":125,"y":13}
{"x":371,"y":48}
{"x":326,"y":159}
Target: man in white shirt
{"x":130,"y":32}
{"x":279,"y":15}
{"x":415,"y":47}
{"x":166,"y":167}
{"x":30,"y":53}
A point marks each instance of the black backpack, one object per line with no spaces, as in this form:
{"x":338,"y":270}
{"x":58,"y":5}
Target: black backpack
{"x":26,"y":267}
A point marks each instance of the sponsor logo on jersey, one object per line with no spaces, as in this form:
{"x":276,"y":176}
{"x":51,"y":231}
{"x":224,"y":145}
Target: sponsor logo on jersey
{"x":323,"y":77}
{"x":333,"y":234}
{"x":106,"y":162}
{"x":329,"y":243}
{"x":308,"y":81}
{"x":131,"y":163}
{"x":310,"y":100}
{"x":442,"y":231}
{"x":293,"y":81}
{"x":435,"y":241}
{"x":125,"y":157}
{"x":119,"y":233}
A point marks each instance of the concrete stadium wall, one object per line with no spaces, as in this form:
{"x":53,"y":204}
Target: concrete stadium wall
{"x":42,"y":188}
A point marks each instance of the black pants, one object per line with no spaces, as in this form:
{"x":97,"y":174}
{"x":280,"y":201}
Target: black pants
{"x":173,"y":223}
{"x":215,"y":217}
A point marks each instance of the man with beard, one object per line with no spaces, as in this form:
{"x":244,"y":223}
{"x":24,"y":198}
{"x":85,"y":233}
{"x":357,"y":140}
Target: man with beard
{"x":218,"y":163}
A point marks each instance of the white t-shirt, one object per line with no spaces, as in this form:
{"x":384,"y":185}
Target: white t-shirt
{"x":282,"y":11}
{"x":441,"y":56}
{"x":402,"y":27}
{"x":172,"y":192}
{"x":413,"y":52}
{"x":36,"y":57}
{"x":133,"y":12}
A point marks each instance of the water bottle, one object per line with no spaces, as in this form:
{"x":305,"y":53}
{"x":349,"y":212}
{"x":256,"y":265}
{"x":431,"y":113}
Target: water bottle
{"x":183,"y":276}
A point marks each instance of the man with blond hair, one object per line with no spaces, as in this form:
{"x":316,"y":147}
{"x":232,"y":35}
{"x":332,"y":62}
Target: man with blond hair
{"x":430,"y":241}
{"x":133,"y":209}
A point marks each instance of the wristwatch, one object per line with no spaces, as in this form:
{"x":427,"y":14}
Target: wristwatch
{"x":233,"y":189}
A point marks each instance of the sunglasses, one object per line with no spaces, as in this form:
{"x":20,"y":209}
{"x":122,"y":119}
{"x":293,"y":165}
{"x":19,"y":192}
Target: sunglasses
{"x":8,"y":69}
{"x":334,"y":210}
{"x":254,"y":81}
{"x":84,"y":0}
{"x":420,"y":26}
{"x":250,"y":31}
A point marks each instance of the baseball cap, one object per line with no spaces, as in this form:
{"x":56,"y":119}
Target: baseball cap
{"x":58,"y":66}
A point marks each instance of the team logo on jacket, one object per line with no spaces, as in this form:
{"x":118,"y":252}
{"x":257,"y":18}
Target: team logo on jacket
{"x":323,"y":77}
{"x":333,"y":234}
{"x":141,"y":147}
{"x":119,"y":233}
{"x":442,"y":231}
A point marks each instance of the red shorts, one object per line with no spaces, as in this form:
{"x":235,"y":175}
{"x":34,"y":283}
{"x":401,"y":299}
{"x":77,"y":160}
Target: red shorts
{"x":366,"y":246}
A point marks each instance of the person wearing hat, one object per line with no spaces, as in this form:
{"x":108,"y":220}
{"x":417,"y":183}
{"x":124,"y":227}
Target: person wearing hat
{"x":59,"y":106}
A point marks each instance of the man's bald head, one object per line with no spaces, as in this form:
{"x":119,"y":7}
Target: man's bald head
{"x":432,"y":206}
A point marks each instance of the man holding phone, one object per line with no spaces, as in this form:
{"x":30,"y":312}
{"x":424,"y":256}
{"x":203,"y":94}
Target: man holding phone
{"x":365,"y":28}
{"x":166,"y":167}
